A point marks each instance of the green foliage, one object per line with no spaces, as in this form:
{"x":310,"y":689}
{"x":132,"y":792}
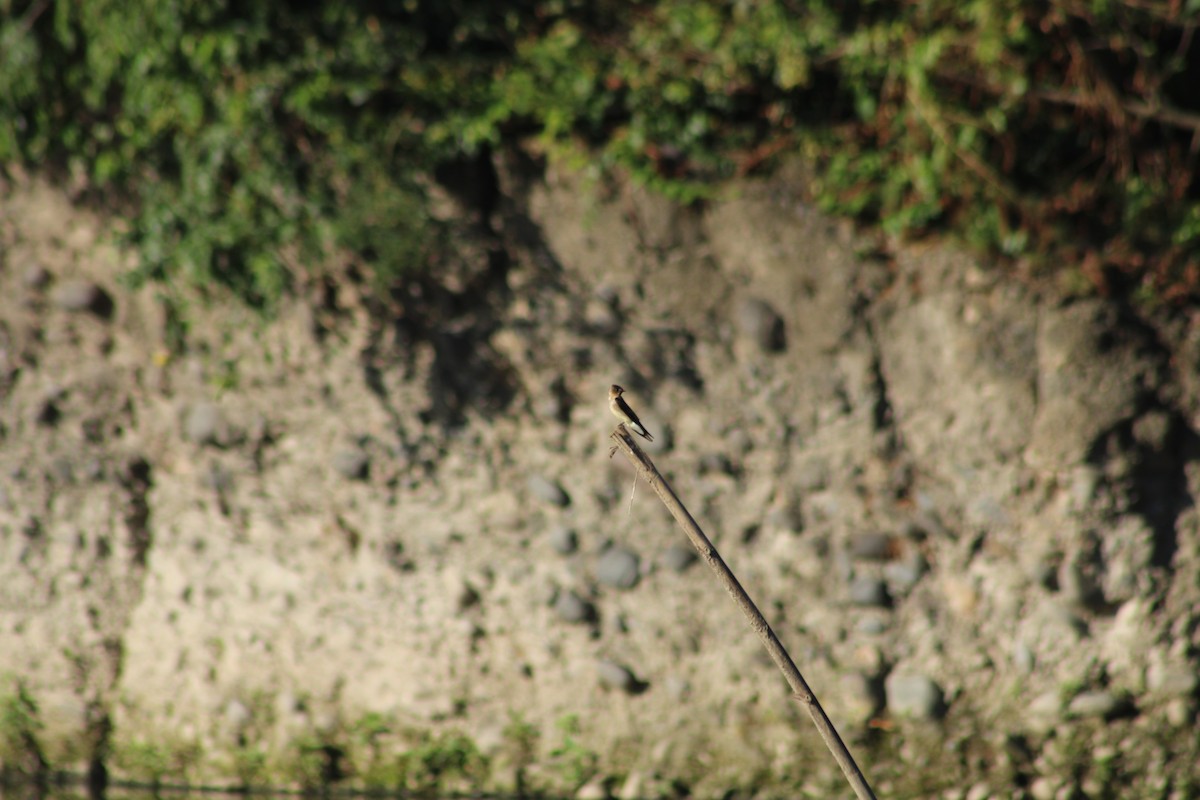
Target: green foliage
{"x":154,"y":761}
{"x":20,"y":728}
{"x":147,"y":761}
{"x":313,"y":763}
{"x":576,"y":764}
{"x":374,"y":763}
{"x":439,"y":761}
{"x":521,"y":738}
{"x":18,"y":717}
{"x":377,"y":755}
{"x":252,"y":140}
{"x":250,"y":766}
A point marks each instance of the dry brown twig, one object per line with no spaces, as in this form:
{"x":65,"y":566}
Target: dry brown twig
{"x":775,"y":649}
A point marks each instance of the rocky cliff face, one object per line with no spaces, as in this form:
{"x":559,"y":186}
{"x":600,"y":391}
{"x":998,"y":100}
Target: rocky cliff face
{"x":387,"y":546}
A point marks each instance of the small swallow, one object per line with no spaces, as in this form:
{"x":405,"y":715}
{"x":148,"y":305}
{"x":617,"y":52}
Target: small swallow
{"x":623,"y":412}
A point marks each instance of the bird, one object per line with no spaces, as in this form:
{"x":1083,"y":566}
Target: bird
{"x":623,"y":412}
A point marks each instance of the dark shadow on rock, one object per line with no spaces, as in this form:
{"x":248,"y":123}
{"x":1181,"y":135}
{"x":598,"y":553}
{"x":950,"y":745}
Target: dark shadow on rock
{"x":456,"y":307}
{"x":467,"y":372}
{"x":671,"y":353}
{"x":473,"y":181}
{"x":1161,"y":485}
{"x":136,"y":476}
{"x":1157,"y":447}
{"x":1152,"y":447}
{"x":99,"y":731}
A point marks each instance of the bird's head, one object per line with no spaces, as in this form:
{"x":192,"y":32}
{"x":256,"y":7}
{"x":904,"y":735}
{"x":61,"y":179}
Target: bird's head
{"x":615,"y":391}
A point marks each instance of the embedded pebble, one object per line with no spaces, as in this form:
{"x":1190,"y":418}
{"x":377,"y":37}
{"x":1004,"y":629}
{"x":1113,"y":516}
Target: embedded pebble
{"x":872,"y":626}
{"x":980,"y":791}
{"x":867,"y":590}
{"x":570,"y":607}
{"x":861,"y":697}
{"x":1042,"y":788}
{"x":1094,"y":704}
{"x":916,"y":696}
{"x":82,"y":295}
{"x":1180,"y":712}
{"x":548,"y":490}
{"x":203,"y":423}
{"x":1046,"y":708}
{"x":904,"y":574}
{"x":36,"y":277}
{"x":615,"y":676}
{"x":678,"y":557}
{"x":352,"y":464}
{"x":619,"y":568}
{"x":1167,"y":680}
{"x":237,"y":715}
{"x":871,"y":546}
{"x":718,"y":463}
{"x":761,"y":323}
{"x":563,"y":540}
{"x":595,"y":789}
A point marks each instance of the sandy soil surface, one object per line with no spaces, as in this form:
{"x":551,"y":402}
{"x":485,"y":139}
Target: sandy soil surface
{"x":385,"y":545}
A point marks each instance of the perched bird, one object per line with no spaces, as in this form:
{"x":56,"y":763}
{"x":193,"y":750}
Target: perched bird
{"x":623,"y":412}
